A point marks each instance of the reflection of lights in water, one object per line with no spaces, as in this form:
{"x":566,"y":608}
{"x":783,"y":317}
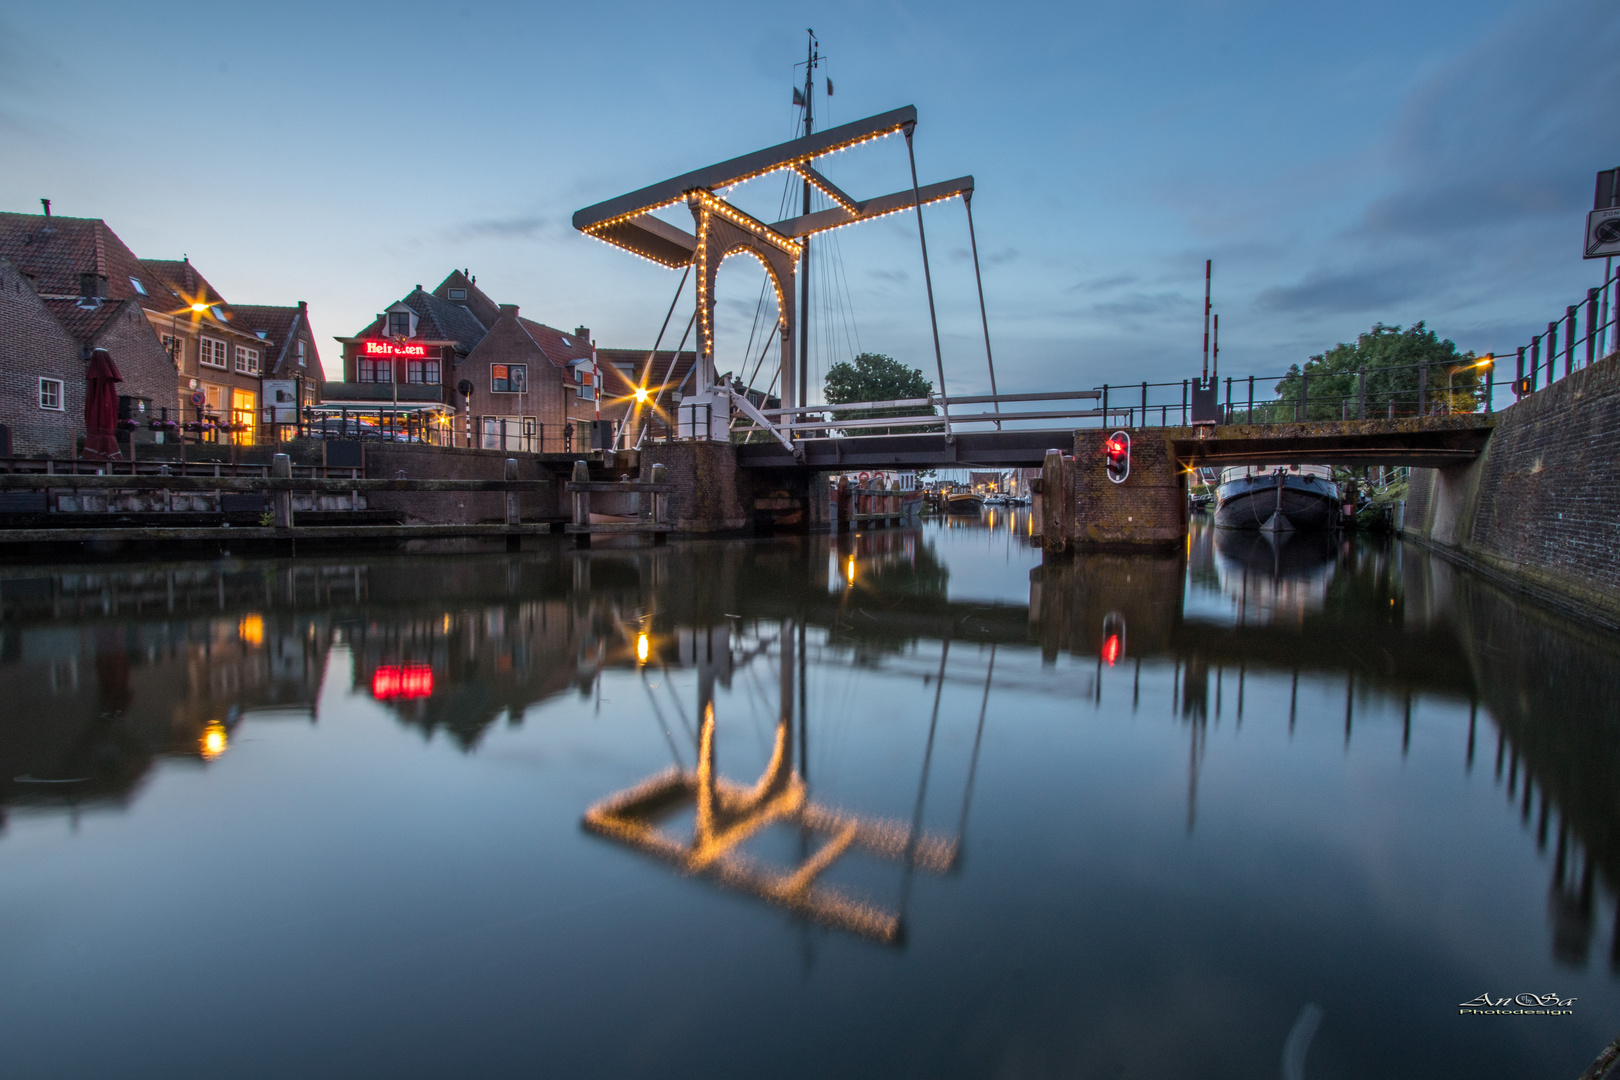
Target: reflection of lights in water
{"x":251,"y":629}
{"x":411,"y":681}
{"x":447,"y":622}
{"x":641,"y":648}
{"x":849,"y":571}
{"x":1111,"y":650}
{"x":214,"y":740}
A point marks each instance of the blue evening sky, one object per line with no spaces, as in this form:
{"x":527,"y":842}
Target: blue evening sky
{"x":1341,"y":163}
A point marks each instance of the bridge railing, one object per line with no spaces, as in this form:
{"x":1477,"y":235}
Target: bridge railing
{"x":911,"y":415}
{"x":1586,"y":332}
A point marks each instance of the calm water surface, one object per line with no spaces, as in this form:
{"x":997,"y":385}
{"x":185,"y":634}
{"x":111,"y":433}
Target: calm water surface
{"x":876,"y":806}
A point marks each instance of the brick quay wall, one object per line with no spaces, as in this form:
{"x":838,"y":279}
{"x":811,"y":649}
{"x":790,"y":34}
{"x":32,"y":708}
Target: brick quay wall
{"x":1538,"y":511}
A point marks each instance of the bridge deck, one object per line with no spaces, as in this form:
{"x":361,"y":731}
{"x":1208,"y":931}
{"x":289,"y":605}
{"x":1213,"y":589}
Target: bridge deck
{"x":1427,"y":442}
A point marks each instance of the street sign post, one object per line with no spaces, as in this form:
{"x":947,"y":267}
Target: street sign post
{"x":1603,"y":233}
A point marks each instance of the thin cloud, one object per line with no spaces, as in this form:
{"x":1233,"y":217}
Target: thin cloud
{"x":516,"y":228}
{"x":1339,"y":292}
{"x":1495,"y":138}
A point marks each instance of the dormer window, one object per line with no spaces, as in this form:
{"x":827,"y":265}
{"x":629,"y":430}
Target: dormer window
{"x":399,"y":324}
{"x":458,"y":294}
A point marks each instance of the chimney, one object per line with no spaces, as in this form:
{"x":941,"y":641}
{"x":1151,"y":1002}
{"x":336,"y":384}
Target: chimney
{"x":583,"y":333}
{"x":509,"y":309}
{"x":302,"y":306}
{"x":47,"y":204}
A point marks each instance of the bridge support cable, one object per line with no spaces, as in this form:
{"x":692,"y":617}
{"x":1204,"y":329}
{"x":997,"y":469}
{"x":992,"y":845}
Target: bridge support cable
{"x":984,"y":319}
{"x":928,"y":281}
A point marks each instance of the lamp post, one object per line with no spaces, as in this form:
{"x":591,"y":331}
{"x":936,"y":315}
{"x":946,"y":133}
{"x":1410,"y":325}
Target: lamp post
{"x":1489,"y":361}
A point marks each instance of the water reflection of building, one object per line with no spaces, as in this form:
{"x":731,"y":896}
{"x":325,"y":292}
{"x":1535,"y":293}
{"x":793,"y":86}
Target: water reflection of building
{"x":104,"y":673}
{"x":107,"y":671}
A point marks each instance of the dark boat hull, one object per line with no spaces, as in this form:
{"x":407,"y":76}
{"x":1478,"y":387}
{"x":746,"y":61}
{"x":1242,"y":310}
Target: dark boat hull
{"x":1255,"y":502}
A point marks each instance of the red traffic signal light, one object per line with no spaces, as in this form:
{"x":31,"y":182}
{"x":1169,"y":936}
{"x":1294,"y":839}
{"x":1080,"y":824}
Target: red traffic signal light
{"x":1118,"y":452}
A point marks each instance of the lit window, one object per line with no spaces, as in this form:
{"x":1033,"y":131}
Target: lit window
{"x":50,"y":394}
{"x":509,"y":378}
{"x":213,"y":398}
{"x":212,"y":353}
{"x":136,"y":282}
{"x":247,"y":360}
{"x":458,"y":294}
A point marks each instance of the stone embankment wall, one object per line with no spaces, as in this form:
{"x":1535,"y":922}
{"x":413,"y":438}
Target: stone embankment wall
{"x":387,"y":461}
{"x":1538,"y":511}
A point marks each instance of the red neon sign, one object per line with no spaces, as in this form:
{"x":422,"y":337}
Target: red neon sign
{"x":410,"y":681}
{"x":374,"y":347}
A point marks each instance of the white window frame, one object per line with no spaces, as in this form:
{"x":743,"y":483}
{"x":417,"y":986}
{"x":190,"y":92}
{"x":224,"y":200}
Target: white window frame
{"x":247,"y":360}
{"x":210,"y":348}
{"x":61,"y":394}
{"x":300,"y":352}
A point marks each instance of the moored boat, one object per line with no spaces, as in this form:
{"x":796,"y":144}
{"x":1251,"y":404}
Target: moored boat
{"x":1278,"y":499}
{"x":964,"y":502}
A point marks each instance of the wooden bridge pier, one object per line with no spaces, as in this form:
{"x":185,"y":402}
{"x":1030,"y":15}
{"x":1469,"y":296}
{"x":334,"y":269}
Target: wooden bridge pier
{"x":654,"y":523}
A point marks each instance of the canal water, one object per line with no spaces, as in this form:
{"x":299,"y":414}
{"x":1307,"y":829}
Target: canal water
{"x":902,"y":804}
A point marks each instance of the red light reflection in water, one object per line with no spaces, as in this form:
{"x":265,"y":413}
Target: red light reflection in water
{"x":1111,"y":649}
{"x":411,"y":681}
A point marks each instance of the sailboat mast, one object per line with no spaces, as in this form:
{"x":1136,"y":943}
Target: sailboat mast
{"x":810,"y":59}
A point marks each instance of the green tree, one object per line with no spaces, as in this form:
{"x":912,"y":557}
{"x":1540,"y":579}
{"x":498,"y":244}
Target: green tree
{"x":876,"y":377}
{"x":1391,"y":357}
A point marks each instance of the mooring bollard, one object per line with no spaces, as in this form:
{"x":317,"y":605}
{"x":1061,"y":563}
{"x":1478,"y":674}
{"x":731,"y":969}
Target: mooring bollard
{"x":513,"y":540}
{"x":281,"y":501}
{"x":660,"y":501}
{"x":1054,"y":533}
{"x":582,"y":504}
{"x":511,"y":496}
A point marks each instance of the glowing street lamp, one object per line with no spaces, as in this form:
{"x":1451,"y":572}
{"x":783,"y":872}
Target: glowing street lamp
{"x":1489,"y":361}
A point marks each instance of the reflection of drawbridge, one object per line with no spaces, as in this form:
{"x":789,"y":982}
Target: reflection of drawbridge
{"x":727,"y":814}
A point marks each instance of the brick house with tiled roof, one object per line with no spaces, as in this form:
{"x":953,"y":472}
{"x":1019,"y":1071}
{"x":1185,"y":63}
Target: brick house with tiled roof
{"x":216,"y":356}
{"x":72,"y":258}
{"x":531,"y":384}
{"x":44,"y":342}
{"x":290,"y":354}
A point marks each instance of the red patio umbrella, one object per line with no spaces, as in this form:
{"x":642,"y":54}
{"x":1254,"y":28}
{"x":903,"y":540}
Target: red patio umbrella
{"x":101,"y":379}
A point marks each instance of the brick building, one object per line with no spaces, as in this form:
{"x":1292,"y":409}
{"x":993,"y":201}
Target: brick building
{"x":531,"y":386}
{"x":292,"y":375}
{"x":214,"y":356}
{"x":44,"y":342}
